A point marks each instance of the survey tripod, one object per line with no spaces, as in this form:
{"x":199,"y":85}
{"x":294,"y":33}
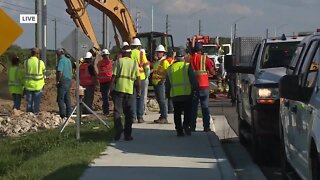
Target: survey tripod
{"x":81,"y":104}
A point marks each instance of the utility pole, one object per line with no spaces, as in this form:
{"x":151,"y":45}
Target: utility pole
{"x":55,"y":33}
{"x":267,"y":33}
{"x":105,"y":31}
{"x":37,"y":25}
{"x":152,"y":19}
{"x":167,"y":24}
{"x":138,"y":20}
{"x":200,"y":28}
{"x":55,"y":38}
{"x":44,"y":32}
{"x":235,"y":31}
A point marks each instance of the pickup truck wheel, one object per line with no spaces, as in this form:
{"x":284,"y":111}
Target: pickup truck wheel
{"x":257,"y":150}
{"x":285,"y":166}
{"x":315,"y":167}
{"x":241,"y":129}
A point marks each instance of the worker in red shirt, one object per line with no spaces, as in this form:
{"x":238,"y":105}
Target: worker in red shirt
{"x":104,"y":76}
{"x":202,"y":65}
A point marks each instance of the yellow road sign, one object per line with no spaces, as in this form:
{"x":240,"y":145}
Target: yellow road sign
{"x":9,"y":31}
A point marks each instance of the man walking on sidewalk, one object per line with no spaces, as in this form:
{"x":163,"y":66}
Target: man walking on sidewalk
{"x":201,"y":64}
{"x":64,"y":78}
{"x":124,"y":75}
{"x":181,"y":83}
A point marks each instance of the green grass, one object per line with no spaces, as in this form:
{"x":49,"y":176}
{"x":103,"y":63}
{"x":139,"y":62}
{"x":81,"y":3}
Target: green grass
{"x":50,"y":155}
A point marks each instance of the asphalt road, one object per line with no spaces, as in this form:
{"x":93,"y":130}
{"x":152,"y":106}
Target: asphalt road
{"x":270,"y":166}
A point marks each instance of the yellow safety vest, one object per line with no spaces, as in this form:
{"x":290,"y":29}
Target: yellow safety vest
{"x":159,"y":71}
{"x":34,"y":74}
{"x":142,"y":62}
{"x":179,"y":79}
{"x":126,"y":72}
{"x":15,"y":80}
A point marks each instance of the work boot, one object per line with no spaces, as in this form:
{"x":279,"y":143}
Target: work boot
{"x":161,"y":121}
{"x":134,"y":120}
{"x":187,"y":130}
{"x":140,"y":120}
{"x":128,"y":138}
{"x":180,"y":133}
{"x":117,"y":135}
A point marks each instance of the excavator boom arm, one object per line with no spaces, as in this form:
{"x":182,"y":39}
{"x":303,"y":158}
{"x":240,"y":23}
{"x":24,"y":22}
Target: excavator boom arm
{"x":114,"y":9}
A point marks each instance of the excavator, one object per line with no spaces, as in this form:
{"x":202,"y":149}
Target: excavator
{"x":121,"y":20}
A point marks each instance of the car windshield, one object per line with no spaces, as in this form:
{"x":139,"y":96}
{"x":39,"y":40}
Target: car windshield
{"x":210,"y":50}
{"x":278,"y":54}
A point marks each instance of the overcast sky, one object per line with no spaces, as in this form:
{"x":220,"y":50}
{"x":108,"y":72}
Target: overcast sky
{"x":217,"y":16}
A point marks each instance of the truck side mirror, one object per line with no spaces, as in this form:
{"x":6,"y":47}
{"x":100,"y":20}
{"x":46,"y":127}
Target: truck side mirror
{"x":289,"y":87}
{"x":231,"y":66}
{"x":229,"y":62}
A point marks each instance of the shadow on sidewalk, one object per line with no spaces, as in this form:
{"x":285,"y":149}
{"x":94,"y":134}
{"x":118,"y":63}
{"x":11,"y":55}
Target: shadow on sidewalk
{"x":159,"y":142}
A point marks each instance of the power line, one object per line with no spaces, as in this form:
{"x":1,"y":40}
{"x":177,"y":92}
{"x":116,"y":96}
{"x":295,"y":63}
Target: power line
{"x":16,"y":5}
{"x":61,"y":20}
{"x":12,"y":9}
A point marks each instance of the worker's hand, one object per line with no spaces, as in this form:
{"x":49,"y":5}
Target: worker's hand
{"x":58,"y":84}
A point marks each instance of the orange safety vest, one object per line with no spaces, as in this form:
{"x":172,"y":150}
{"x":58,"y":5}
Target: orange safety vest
{"x":85,"y":78}
{"x":198,"y":63}
{"x":170,"y":60}
{"x":105,"y":70}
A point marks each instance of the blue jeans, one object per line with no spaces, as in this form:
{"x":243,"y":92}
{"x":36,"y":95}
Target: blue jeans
{"x":16,"y":101}
{"x":159,"y":90}
{"x":64,"y":101}
{"x":138,"y":103}
{"x":33,"y":99}
{"x":170,"y":105}
{"x":203,"y":96}
{"x":104,"y":88}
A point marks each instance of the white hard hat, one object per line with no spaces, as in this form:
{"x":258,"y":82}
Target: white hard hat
{"x":88,"y":55}
{"x":143,"y":51}
{"x":160,"y":48}
{"x":136,"y":42}
{"x":125,"y":44}
{"x":105,"y":52}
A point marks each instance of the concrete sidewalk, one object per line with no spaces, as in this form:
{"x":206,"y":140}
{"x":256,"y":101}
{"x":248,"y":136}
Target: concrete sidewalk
{"x":157,"y":153}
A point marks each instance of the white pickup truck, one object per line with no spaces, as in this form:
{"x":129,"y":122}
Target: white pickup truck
{"x":213,"y":52}
{"x":300,"y":112}
{"x":258,"y":95}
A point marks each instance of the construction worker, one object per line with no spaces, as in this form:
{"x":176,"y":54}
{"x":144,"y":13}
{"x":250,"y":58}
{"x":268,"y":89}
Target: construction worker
{"x":87,"y":80}
{"x":181,"y":83}
{"x":119,"y":54}
{"x":124,"y":76}
{"x":64,"y":78}
{"x":144,"y":69}
{"x":170,"y":59}
{"x":104,"y":76}
{"x":15,"y":81}
{"x":146,"y":85}
{"x":34,"y":81}
{"x":201,"y":64}
{"x":158,"y":81}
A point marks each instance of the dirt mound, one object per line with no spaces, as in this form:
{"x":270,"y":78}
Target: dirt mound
{"x":49,"y":98}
